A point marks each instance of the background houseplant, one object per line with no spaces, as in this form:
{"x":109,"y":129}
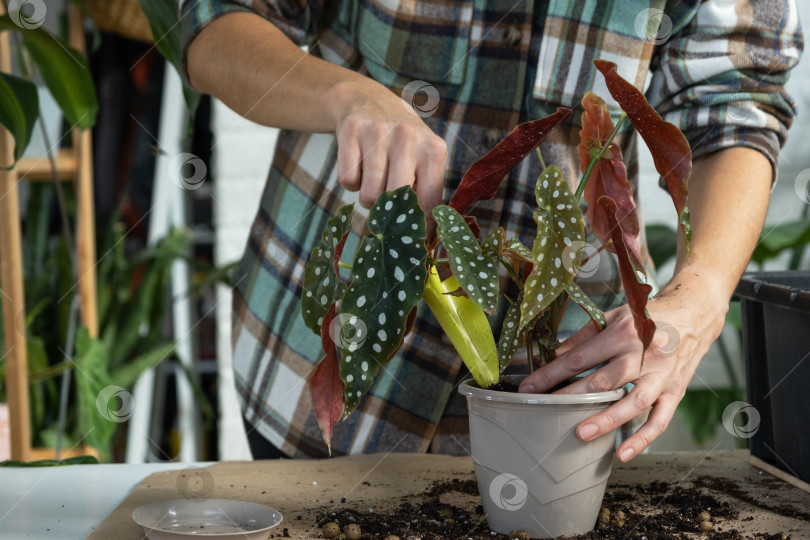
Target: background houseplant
{"x":458,"y":272}
{"x":132,"y":280}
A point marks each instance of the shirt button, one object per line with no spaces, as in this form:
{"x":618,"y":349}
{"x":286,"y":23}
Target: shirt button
{"x":493,"y":136}
{"x":514,"y":36}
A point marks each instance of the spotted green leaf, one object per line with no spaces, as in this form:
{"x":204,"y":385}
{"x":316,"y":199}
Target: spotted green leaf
{"x":576,"y":294}
{"x":514,"y":245}
{"x":559,"y":226}
{"x":511,"y":334}
{"x":492,"y":244}
{"x":476,"y":273}
{"x":322,"y":284}
{"x":387,"y":281}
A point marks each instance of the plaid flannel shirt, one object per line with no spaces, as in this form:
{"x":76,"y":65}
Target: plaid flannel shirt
{"x":715,"y":68}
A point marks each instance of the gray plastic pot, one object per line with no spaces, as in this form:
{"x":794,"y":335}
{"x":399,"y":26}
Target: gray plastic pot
{"x":533,"y":473}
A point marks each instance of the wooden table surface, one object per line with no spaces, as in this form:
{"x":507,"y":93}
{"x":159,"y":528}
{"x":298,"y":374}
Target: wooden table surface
{"x":302,"y":490}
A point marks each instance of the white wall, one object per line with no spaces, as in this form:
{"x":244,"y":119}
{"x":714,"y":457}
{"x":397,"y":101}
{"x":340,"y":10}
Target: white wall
{"x":241,"y":160}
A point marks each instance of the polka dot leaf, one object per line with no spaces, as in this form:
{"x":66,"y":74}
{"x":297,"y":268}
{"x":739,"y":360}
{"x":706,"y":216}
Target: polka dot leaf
{"x":476,"y":273}
{"x":596,"y":314}
{"x":492,"y":244}
{"x":322,"y":284}
{"x":559,"y":225}
{"x":512,"y":335}
{"x":514,"y":246}
{"x":387,"y":281}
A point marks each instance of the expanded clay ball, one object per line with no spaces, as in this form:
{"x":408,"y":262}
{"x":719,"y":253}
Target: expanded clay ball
{"x":392,"y":537}
{"x":704,"y":516}
{"x":519,"y":535}
{"x":352,"y":532}
{"x":617,"y":519}
{"x":330,"y":530}
{"x":706,"y":526}
{"x":604,"y":518}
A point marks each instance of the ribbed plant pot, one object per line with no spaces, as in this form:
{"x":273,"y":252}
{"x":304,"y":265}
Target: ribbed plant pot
{"x":533,"y":473}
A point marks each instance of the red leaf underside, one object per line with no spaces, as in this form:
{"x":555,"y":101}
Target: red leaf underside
{"x":339,"y":253}
{"x":326,"y":388}
{"x":409,"y":323}
{"x":637,"y":292}
{"x":608,"y":178}
{"x":669,"y":148}
{"x":482,"y":179}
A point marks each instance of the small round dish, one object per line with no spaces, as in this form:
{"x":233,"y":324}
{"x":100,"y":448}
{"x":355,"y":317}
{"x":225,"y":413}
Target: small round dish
{"x":216,"y":518}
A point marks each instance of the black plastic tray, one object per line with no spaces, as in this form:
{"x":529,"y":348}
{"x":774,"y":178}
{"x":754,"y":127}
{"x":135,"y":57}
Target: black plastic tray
{"x":776,"y":343}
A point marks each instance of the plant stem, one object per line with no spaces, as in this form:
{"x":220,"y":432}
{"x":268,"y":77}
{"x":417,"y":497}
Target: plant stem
{"x":511,"y":271}
{"x":540,"y":158}
{"x":437,"y":262}
{"x":342,"y":264}
{"x":52,"y":371}
{"x":530,"y":351}
{"x":594,"y":160}
{"x":543,"y":356}
{"x":64,"y":394}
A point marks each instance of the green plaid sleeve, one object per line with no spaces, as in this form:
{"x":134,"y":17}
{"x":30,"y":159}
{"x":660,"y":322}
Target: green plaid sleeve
{"x":720,"y":76}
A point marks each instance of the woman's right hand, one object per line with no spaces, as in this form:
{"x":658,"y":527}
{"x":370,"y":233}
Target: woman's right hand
{"x":384,"y":145}
{"x":249,"y":64}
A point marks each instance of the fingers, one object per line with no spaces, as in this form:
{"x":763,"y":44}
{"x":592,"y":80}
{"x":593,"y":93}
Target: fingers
{"x":655,"y":425}
{"x":375,"y":165}
{"x":430,"y":180}
{"x":348,"y":163}
{"x":430,"y":173}
{"x":640,"y":398}
{"x":589,"y":330}
{"x":380,"y":150}
{"x":581,"y":336}
{"x":601,"y":347}
{"x":617,"y":373}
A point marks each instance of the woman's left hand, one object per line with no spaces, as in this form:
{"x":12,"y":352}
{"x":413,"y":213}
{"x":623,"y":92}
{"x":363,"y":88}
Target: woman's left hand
{"x":687,"y":322}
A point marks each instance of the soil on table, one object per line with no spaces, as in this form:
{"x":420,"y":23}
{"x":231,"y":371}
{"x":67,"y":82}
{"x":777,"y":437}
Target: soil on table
{"x":654,"y":511}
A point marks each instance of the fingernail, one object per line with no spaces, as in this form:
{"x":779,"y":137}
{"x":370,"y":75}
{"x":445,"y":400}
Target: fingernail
{"x":587,"y":431}
{"x":526,"y":389}
{"x":626,"y":454}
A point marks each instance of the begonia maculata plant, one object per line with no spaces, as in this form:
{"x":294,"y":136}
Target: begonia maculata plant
{"x":363,"y":315}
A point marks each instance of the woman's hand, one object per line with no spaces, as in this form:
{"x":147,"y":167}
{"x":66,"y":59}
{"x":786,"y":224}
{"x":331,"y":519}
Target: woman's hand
{"x":383,"y":145}
{"x":688,"y":316}
{"x":728,"y":200}
{"x":250,"y":65}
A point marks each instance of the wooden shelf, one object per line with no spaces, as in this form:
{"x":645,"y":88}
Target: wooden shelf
{"x":74,"y":164}
{"x":38,"y":169}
